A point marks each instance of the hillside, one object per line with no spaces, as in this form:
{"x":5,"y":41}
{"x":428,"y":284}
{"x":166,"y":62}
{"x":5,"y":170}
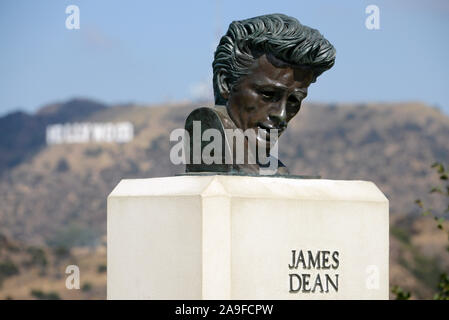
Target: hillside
{"x":62,"y":189}
{"x":22,"y":135}
{"x":56,"y":196}
{"x":30,"y":272}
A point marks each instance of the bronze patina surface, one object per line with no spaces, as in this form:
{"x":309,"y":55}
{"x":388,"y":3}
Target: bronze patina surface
{"x":262,"y":67}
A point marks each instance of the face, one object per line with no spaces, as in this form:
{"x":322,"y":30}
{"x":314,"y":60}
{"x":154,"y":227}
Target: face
{"x":268,"y":97}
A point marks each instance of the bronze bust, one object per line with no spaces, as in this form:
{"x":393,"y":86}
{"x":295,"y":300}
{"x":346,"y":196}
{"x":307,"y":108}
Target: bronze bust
{"x":262,"y":68}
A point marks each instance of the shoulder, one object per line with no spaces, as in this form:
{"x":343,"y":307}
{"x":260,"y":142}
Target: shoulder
{"x":207,"y":111}
{"x":209,"y":117}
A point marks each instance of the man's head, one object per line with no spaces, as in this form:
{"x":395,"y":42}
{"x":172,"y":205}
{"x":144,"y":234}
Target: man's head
{"x":263,"y":67}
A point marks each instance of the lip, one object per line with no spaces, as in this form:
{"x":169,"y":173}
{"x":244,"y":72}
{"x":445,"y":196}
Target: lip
{"x":267,"y":127}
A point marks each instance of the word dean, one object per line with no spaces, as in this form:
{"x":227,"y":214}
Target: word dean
{"x":307,"y":282}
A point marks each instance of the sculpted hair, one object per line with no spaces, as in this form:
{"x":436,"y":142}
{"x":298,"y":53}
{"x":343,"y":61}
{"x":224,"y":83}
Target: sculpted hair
{"x":278,"y":35}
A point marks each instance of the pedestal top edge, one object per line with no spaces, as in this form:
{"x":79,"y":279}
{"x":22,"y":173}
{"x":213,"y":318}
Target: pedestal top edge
{"x":250,"y":187}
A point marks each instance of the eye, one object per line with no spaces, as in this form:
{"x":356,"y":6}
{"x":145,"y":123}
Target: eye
{"x":268,"y":95}
{"x":293,"y":104}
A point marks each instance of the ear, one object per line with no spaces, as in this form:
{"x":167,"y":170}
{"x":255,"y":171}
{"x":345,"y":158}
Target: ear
{"x":223,"y":85}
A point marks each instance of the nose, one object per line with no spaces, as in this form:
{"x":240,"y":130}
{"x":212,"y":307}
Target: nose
{"x":278,"y":115}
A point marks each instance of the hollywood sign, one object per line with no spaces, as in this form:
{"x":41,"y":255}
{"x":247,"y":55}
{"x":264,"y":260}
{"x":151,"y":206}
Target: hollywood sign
{"x":86,"y":132}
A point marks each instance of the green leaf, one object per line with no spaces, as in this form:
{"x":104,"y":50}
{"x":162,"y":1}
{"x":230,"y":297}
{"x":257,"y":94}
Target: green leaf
{"x":435,"y":164}
{"x":439,"y":166}
{"x":419,"y":203}
{"x":400,"y":293}
{"x":439,"y":222}
{"x":436,"y":189}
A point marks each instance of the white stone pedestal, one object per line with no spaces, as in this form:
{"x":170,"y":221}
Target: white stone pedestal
{"x":235,"y":237}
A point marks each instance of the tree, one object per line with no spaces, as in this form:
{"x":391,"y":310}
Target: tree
{"x":443,"y":190}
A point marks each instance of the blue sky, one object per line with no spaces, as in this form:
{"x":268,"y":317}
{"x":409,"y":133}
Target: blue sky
{"x":157,"y":51}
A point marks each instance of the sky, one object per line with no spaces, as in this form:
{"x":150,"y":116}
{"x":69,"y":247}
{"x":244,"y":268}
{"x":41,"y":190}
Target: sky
{"x":152,"y":52}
